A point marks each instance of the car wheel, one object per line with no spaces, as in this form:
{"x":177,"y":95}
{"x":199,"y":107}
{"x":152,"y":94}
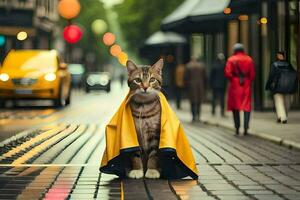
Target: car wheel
{"x":108,"y":88}
{"x":59,"y":102}
{"x":68,"y":100}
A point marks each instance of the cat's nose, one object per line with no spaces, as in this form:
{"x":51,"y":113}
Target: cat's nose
{"x":145,"y":89}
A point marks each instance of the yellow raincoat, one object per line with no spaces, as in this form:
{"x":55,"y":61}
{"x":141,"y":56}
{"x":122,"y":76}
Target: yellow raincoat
{"x":175,"y":154}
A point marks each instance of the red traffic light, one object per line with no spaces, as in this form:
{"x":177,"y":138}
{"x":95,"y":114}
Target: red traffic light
{"x":72,"y":34}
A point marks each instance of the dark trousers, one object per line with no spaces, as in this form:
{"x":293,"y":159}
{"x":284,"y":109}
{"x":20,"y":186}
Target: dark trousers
{"x":218,"y":94}
{"x":178,"y":93}
{"x":236,"y":118}
{"x":196,"y":109}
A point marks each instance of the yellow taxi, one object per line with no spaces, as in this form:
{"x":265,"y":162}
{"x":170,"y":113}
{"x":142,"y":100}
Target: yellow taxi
{"x":34,"y":74}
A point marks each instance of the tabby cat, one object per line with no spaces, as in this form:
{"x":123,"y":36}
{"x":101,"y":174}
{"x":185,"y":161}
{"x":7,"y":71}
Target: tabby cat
{"x":145,"y":84}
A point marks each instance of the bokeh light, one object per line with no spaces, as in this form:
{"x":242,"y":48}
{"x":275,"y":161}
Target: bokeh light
{"x":109,"y":38}
{"x":72,"y":33}
{"x":99,"y":26}
{"x":69,"y":9}
{"x":263,"y":20}
{"x":2,"y":40}
{"x":243,"y":17}
{"x":227,"y":11}
{"x":22,"y":35}
{"x":115,"y":50}
{"x":123,"y":57}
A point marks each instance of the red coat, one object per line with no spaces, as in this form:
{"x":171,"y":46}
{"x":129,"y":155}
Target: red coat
{"x":239,"y":96}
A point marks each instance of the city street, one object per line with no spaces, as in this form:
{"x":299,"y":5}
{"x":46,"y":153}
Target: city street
{"x":49,"y":153}
{"x":229,"y":69}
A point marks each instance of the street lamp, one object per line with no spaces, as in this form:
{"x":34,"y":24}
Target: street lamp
{"x":69,"y":9}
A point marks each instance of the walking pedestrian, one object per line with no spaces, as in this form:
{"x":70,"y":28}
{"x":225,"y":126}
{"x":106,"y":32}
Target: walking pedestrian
{"x":195,"y":80}
{"x":122,"y":78}
{"x":179,"y":82}
{"x":240,"y":72}
{"x":282,"y":82}
{"x":218,"y":83}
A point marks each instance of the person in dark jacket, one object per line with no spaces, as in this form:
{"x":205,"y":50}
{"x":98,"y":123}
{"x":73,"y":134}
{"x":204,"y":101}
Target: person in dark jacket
{"x":218,"y":83}
{"x":281,"y":100}
{"x":195,"y":81}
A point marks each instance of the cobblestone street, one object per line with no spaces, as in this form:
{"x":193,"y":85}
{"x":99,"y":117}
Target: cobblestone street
{"x":61,"y":160}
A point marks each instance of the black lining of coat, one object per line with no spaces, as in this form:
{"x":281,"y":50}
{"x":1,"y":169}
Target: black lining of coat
{"x":172,"y":167}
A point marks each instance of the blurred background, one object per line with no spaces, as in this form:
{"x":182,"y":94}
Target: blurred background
{"x":94,"y":36}
{"x":63,"y":76}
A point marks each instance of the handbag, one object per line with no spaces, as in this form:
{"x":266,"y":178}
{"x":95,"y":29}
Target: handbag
{"x":286,"y":81}
{"x":241,"y":75}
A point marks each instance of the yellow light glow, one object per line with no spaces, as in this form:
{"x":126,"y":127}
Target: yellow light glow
{"x":50,"y":77}
{"x":22,"y":35}
{"x":243,"y":17}
{"x":123,"y":57}
{"x":263,"y":20}
{"x":99,"y":26}
{"x":115,"y":50}
{"x":227,"y":11}
{"x":4,"y":77}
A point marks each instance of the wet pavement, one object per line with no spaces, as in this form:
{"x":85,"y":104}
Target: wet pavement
{"x":55,"y":154}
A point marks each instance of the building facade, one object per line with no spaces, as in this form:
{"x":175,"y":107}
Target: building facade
{"x":35,"y":19}
{"x":263,"y":26}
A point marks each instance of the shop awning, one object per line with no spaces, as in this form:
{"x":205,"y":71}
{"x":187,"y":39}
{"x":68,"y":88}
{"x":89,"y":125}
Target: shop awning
{"x":205,"y":15}
{"x":165,"y":38}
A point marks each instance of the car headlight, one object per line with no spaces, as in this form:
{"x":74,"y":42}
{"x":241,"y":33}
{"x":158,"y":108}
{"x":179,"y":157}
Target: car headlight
{"x":4,"y":77}
{"x":103,"y":81}
{"x":90,"y":81}
{"x":50,"y":77}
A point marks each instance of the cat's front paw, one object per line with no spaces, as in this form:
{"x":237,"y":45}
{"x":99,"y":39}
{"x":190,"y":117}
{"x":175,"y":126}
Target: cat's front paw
{"x":136,"y":173}
{"x":152,"y":173}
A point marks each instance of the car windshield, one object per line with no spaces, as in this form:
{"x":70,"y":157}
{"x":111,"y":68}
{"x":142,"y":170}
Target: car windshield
{"x":31,"y":61}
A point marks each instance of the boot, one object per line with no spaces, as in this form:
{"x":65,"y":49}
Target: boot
{"x":236,"y":131}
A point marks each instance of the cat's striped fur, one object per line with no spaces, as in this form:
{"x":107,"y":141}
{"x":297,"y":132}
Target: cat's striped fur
{"x":145,"y":84}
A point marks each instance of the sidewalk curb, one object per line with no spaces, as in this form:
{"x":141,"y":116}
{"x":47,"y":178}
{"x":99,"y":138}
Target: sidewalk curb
{"x":271,"y":138}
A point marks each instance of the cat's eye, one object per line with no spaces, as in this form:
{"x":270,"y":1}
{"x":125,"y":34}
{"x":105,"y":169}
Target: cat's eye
{"x":152,"y":80}
{"x":138,"y":80}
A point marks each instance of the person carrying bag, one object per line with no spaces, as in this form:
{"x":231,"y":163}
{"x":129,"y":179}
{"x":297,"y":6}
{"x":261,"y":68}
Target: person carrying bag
{"x":282,"y":82}
{"x":240,"y":72}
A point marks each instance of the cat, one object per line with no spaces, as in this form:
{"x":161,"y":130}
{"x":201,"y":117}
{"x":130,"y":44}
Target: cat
{"x":145,"y":83}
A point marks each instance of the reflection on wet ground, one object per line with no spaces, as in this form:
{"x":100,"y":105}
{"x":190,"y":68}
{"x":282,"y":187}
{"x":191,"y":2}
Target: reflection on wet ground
{"x":86,"y":182}
{"x":55,"y":182}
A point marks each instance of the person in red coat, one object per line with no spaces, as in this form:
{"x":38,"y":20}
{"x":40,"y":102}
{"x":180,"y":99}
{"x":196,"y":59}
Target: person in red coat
{"x":240,"y":72}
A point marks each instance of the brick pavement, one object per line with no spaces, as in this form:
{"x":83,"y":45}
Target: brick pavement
{"x":68,"y":168}
{"x":262,"y":124}
{"x":61,"y":161}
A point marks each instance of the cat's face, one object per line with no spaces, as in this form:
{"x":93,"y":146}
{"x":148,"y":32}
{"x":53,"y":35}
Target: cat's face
{"x":145,"y":81}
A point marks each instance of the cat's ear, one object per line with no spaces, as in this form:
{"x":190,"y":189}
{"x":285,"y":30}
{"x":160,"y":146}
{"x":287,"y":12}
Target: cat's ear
{"x":130,"y":66}
{"x":157,"y":67}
